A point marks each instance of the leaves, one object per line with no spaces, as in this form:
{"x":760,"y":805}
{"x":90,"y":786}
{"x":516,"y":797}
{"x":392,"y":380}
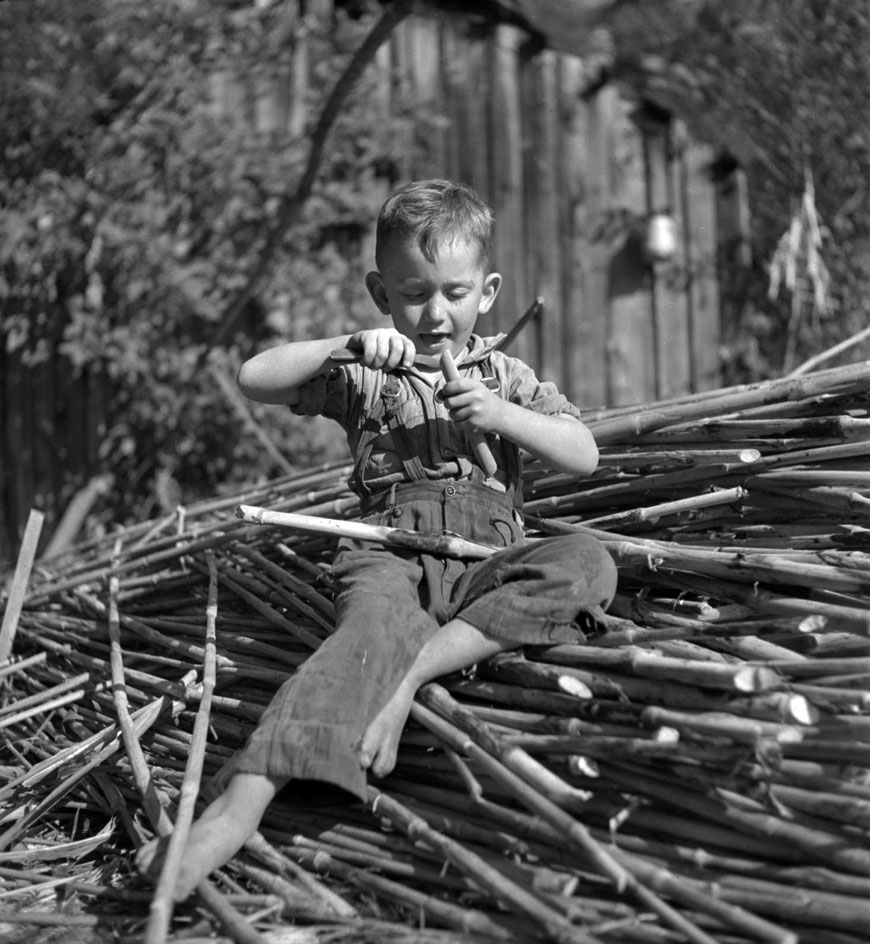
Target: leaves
{"x":798,"y":260}
{"x":147,"y":148}
{"x":137,"y":181}
{"x":781,"y":86}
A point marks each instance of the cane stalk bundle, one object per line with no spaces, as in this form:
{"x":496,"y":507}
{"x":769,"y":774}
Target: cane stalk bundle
{"x":698,"y":768}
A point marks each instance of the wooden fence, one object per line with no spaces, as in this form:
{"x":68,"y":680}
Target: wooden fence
{"x":573,"y":169}
{"x":52,"y":417}
{"x":574,"y":172}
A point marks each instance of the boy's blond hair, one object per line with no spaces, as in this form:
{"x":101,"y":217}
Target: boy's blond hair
{"x":434,"y":212}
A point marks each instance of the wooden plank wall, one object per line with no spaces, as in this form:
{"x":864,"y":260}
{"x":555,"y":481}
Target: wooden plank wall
{"x":571,"y":171}
{"x":572,"y":174}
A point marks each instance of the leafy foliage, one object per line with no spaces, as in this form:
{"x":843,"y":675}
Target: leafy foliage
{"x":146,"y":149}
{"x":784,"y":86}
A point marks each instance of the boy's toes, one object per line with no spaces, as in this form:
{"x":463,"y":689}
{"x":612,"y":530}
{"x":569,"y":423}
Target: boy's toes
{"x":184,"y":888}
{"x":377,"y":758}
{"x":149,"y":862}
{"x":384,"y":763}
{"x":369,"y":746}
{"x":149,"y":858}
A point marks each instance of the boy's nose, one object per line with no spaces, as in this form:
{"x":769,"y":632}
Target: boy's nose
{"x":435,"y":309}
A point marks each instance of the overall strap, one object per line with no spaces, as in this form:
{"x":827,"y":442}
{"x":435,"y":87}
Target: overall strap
{"x":509,"y":453}
{"x":410,"y":460}
{"x":385,"y":412}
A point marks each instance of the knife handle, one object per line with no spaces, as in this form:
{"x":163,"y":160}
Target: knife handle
{"x":478,"y":442}
{"x":344,"y":355}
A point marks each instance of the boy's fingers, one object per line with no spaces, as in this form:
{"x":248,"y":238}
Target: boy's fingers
{"x":377,"y":350}
{"x":384,"y":350}
{"x":397,"y":351}
{"x":455,"y":388}
{"x":460,"y":393}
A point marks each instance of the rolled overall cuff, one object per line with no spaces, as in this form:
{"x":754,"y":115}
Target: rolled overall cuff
{"x":543,"y":593}
{"x":509,"y":617}
{"x":310,"y":755}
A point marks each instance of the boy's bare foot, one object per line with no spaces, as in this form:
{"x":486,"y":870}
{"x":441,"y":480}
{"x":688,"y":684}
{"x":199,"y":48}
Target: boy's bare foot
{"x":380,"y":742}
{"x":224,"y":827}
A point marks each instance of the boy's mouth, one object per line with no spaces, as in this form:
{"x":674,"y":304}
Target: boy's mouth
{"x":433,"y":338}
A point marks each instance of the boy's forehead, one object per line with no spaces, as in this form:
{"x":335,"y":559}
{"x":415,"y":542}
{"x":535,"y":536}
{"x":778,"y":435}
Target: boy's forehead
{"x":449,"y":251}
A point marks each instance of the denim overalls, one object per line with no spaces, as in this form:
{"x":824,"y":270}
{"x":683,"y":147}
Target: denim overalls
{"x":389,"y":602}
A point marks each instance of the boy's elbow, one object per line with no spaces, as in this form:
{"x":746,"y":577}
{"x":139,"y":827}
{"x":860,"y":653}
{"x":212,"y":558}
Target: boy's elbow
{"x":587,"y":461}
{"x":244,"y":381}
{"x":258,"y":384}
{"x":591,"y":453}
{"x":241,"y":379}
{"x":250,"y":383}
{"x":584,"y":454}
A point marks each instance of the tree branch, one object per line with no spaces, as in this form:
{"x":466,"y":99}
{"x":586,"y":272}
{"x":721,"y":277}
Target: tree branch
{"x":291,"y":205}
{"x":826,"y":355}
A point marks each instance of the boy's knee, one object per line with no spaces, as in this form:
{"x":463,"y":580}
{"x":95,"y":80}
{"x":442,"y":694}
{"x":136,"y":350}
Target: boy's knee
{"x":609,"y":578}
{"x":590,"y":565}
{"x":577,"y":550}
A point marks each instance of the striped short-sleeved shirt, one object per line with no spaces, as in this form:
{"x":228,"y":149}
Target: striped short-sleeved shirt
{"x":350,"y":393}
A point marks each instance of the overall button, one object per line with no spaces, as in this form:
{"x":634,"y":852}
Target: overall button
{"x":450,"y":491}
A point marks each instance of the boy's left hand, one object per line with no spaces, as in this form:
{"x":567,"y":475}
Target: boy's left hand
{"x":471,"y":403}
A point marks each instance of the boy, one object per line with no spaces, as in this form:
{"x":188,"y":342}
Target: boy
{"x":403,"y":618}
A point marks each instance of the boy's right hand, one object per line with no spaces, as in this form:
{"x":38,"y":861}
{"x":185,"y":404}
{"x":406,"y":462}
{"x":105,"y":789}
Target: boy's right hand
{"x":382,"y":348}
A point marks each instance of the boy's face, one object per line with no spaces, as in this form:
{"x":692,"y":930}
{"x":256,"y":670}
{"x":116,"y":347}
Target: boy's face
{"x":434,"y":302}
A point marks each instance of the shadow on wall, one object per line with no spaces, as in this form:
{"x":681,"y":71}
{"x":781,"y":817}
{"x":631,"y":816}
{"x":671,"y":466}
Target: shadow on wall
{"x":628,"y":271}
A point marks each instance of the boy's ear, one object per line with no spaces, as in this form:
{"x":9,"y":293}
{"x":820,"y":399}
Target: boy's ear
{"x":378,"y":292}
{"x":491,"y":286}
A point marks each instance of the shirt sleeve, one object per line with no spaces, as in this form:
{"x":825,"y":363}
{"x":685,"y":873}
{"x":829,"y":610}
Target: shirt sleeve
{"x":326,"y":395}
{"x":542,"y":396}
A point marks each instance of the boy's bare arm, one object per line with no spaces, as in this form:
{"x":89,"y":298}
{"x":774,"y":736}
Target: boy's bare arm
{"x":561,"y":442}
{"x":275,"y":375}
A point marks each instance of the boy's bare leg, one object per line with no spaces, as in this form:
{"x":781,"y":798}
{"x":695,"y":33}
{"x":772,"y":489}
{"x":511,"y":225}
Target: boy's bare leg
{"x":224,"y":827}
{"x":455,"y":646}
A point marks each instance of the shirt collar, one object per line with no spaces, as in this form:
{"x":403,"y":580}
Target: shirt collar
{"x":479,"y":348}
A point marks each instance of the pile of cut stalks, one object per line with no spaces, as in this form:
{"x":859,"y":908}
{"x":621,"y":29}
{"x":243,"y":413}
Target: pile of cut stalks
{"x":698,"y":771}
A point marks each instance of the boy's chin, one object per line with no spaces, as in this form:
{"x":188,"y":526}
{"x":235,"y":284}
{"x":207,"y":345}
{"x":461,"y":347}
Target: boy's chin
{"x":432,"y":349}
{"x":428,"y":361}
